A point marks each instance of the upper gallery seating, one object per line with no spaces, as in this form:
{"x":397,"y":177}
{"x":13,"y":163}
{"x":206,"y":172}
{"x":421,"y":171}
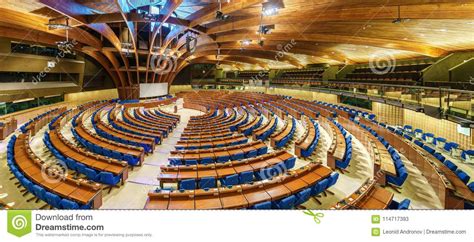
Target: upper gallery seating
{"x":409,"y":74}
{"x":300,"y":77}
{"x":252,"y":75}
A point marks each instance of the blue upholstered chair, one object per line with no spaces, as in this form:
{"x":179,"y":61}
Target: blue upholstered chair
{"x":263,"y":205}
{"x":207,"y":182}
{"x":286,"y":203}
{"x":108,"y":178}
{"x":245,"y":177}
{"x":230,"y":180}
{"x":68,"y":204}
{"x":463,"y":176}
{"x":53,"y":199}
{"x":302,"y":196}
{"x":188,"y":184}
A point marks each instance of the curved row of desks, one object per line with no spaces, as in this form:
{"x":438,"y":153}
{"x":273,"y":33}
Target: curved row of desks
{"x":80,"y":191}
{"x":240,"y":196}
{"x":173,"y":174}
{"x":223,"y":154}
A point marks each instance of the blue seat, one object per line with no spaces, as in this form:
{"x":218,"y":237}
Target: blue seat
{"x":81,"y":168}
{"x":302,"y":196}
{"x":131,"y":160}
{"x":108,"y":178}
{"x":230,"y":180}
{"x":190,"y":162}
{"x":262,"y":150}
{"x":463,"y":176}
{"x":223,"y":159}
{"x":333,"y":179}
{"x":319,"y":187}
{"x":71,"y":164}
{"x":450,"y":165}
{"x":264,"y":174}
{"x":39,"y":192}
{"x":207,"y":182}
{"x":398,"y":180}
{"x":246,"y":177}
{"x":419,"y":143}
{"x":53,"y":199}
{"x":91,"y":174}
{"x":263,"y":205}
{"x":238,"y":156}
{"x":471,"y":186}
{"x":290,"y":163}
{"x":252,"y":153}
{"x":188,"y":184}
{"x":404,"y":204}
{"x":68,"y":204}
{"x":286,"y":203}
{"x":207,"y":160}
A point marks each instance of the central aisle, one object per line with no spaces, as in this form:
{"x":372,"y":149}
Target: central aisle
{"x":141,"y":180}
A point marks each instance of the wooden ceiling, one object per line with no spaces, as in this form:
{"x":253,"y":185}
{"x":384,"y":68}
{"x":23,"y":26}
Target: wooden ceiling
{"x":306,"y":32}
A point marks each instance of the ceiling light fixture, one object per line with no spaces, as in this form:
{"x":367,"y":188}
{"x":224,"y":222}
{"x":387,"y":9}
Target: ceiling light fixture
{"x":266,"y":29}
{"x":219,"y":14}
{"x":271,"y":8}
{"x":58,"y":23}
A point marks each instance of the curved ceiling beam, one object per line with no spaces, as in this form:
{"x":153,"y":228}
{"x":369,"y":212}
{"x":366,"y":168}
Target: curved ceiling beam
{"x":240,"y":59}
{"x":123,"y":8}
{"x":49,"y":39}
{"x":208,"y":13}
{"x":167,"y":11}
{"x":279,"y":47}
{"x":72,"y":9}
{"x":374,"y":13}
{"x":30,"y":21}
{"x":105,"y":64}
{"x":268,"y":55}
{"x":223,"y":62}
{"x":415,"y":47}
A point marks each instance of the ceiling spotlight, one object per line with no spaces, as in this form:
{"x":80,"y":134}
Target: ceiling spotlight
{"x":245,"y":42}
{"x":191,"y":43}
{"x":266,"y":29}
{"x":58,"y":23}
{"x":219,"y":14}
{"x":149,"y":17}
{"x":271,"y":8}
